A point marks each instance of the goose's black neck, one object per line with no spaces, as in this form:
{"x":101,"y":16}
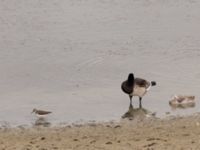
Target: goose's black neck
{"x":130,"y":79}
{"x":127,"y":86}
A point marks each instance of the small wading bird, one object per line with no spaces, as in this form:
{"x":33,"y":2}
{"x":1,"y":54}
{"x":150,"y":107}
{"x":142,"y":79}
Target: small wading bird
{"x":41,"y":112}
{"x":136,"y":87}
{"x":182,"y":101}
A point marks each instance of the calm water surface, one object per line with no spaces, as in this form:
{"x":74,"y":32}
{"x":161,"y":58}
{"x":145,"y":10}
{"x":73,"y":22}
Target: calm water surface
{"x":70,"y":57}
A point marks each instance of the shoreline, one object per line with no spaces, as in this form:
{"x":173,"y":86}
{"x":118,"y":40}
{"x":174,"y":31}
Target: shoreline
{"x":135,"y":116}
{"x":150,"y":133}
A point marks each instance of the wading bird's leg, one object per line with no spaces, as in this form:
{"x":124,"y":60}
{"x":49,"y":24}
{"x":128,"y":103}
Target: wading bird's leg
{"x":140,"y":99}
{"x":130,"y":96}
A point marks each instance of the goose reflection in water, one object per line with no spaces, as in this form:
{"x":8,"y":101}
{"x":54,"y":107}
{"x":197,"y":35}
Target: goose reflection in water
{"x":138,"y":113}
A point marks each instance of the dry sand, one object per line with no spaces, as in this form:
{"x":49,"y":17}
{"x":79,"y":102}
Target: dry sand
{"x":177,"y":133}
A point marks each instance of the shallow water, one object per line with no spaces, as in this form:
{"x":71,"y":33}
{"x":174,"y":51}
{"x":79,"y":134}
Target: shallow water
{"x":70,"y":57}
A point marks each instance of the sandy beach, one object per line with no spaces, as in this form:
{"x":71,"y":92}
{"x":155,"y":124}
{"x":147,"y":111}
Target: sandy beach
{"x":178,"y":133}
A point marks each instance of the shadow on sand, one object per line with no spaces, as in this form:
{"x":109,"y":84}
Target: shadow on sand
{"x":137,"y":113}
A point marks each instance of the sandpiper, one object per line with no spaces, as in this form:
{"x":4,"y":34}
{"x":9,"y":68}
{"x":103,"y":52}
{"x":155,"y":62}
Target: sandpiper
{"x":182,"y":101}
{"x":136,"y":87}
{"x":41,"y":112}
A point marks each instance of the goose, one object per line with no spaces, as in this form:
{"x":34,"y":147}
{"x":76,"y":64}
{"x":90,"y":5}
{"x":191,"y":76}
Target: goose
{"x":41,"y":112}
{"x":136,"y":87}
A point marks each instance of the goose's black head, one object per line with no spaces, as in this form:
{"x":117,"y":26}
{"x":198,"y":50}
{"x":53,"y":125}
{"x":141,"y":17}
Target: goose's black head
{"x":130,"y":80}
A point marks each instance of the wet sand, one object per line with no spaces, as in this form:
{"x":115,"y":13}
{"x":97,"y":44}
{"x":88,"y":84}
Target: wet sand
{"x":147,"y":134}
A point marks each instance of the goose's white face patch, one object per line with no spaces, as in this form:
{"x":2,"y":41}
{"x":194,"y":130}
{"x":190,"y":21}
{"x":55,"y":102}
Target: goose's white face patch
{"x":139,"y":91}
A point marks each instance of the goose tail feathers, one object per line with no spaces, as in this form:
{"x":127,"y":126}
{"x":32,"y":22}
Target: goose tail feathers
{"x":153,"y":83}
